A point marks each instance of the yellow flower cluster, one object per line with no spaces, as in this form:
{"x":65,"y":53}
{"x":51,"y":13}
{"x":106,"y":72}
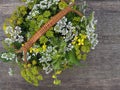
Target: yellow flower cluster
{"x":79,"y":40}
{"x":54,"y":76}
{"x":37,"y":50}
{"x":44,"y":47}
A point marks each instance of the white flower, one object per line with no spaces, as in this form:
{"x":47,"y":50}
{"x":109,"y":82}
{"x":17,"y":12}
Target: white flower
{"x":49,"y":4}
{"x":4,"y":55}
{"x":57,"y":28}
{"x":69,"y":47}
{"x":56,"y":1}
{"x":64,"y":31}
{"x":8,"y":56}
{"x":28,"y":56}
{"x":10,"y":72}
{"x":8,"y":41}
{"x":29,"y":1}
{"x":47,"y":67}
{"x":43,"y":4}
{"x":16,"y":60}
{"x":29,"y":17}
{"x":35,"y":7}
{"x":91,"y":35}
{"x":34,"y":13}
{"x":19,"y":39}
{"x":9,"y":30}
{"x":82,"y":19}
{"x":49,"y":49}
{"x":47,"y":71}
{"x":62,"y":22}
{"x":18,"y":30}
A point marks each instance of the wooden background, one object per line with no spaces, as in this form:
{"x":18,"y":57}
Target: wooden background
{"x":103,"y":64}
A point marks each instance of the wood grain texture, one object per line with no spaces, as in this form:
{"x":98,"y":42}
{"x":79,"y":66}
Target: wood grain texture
{"x":102,"y":70}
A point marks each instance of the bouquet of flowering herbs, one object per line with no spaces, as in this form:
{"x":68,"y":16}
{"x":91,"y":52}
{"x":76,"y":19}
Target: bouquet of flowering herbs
{"x":48,"y":35}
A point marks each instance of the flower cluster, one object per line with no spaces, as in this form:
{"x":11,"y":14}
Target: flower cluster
{"x":92,"y":36}
{"x":44,"y":4}
{"x":29,"y":1}
{"x":14,"y":35}
{"x":10,"y":72}
{"x":8,"y":56}
{"x":65,"y":43}
{"x":67,"y":30}
{"x":46,"y":58}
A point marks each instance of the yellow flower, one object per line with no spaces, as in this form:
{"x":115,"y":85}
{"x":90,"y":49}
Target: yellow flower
{"x":44,"y":47}
{"x":83,"y":36}
{"x":34,"y":62}
{"x":54,"y":76}
{"x":58,"y":72}
{"x":36,"y":50}
{"x":4,"y":26}
{"x":73,"y":1}
{"x":80,"y":41}
{"x":57,"y":82}
{"x":75,"y":38}
{"x":73,"y":42}
{"x":31,"y":50}
{"x":22,"y":44}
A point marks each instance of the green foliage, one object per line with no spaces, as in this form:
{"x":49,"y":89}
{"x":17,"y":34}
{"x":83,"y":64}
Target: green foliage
{"x":40,"y":17}
{"x":85,"y":49}
{"x":43,"y":39}
{"x":62,"y":5}
{"x":8,"y":48}
{"x":84,"y":56}
{"x":31,"y":75}
{"x":22,"y":10}
{"x":46,"y":14}
{"x":71,"y":56}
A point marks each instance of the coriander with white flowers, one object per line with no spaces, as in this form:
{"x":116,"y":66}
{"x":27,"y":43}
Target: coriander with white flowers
{"x":48,"y":35}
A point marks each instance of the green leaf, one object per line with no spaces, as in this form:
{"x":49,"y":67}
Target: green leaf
{"x":77,"y":19}
{"x":32,"y":24}
{"x":79,"y":56}
{"x":49,"y":34}
{"x":40,"y":17}
{"x":72,"y":58}
{"x":84,"y":56}
{"x":56,"y":66}
{"x":62,"y":5}
{"x":8,"y":48}
{"x":77,"y":52}
{"x":46,"y":14}
{"x":43,"y":40}
{"x":76,"y":47}
{"x":40,"y":77}
{"x":83,"y":48}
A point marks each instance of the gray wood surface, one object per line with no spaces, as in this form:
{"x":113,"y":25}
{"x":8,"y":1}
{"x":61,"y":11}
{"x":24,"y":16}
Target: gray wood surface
{"x":102,"y":71}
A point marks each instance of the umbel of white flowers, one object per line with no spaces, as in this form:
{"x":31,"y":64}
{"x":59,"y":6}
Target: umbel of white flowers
{"x":14,"y":35}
